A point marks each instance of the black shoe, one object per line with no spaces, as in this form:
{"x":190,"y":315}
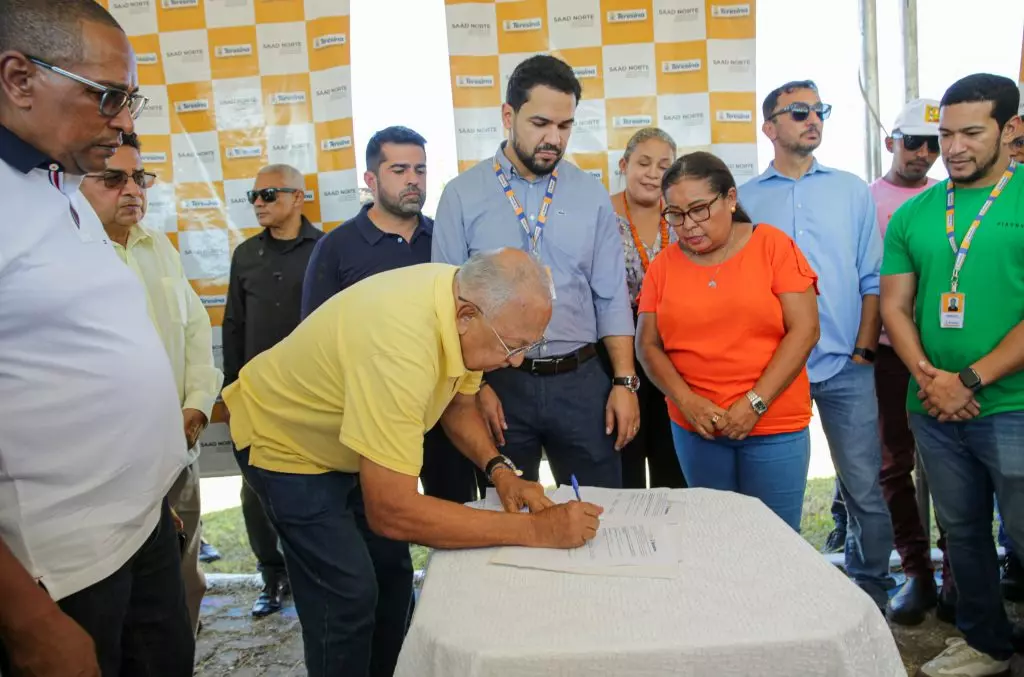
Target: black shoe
{"x":269,"y":601}
{"x":945,"y":609}
{"x":910,"y":605}
{"x":836,"y":541}
{"x":208,"y":553}
{"x":1011,"y":579}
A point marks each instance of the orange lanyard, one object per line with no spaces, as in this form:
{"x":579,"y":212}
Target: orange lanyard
{"x":638,"y":243}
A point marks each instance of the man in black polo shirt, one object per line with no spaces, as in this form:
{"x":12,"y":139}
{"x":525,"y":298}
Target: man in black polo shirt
{"x":263,"y":306}
{"x":390,"y":233}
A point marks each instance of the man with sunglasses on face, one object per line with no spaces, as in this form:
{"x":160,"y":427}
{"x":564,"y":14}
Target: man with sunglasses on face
{"x":263,"y":306}
{"x":830,"y":214}
{"x":91,"y":429}
{"x":118,"y":196}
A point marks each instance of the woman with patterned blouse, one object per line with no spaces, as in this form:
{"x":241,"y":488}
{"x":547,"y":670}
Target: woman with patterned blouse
{"x":644,"y":233}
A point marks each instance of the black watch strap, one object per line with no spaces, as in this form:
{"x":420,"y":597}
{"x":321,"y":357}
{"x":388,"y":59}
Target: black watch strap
{"x":864,"y":354}
{"x":970,"y":379}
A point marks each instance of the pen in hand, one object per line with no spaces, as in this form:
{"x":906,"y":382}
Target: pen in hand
{"x":576,"y":487}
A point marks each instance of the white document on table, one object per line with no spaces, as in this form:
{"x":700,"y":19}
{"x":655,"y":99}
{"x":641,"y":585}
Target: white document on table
{"x":627,"y":506}
{"x":614,"y":546}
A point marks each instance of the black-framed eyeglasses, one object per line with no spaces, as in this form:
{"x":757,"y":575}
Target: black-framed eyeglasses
{"x":800,"y":111}
{"x":510,"y":353}
{"x":112,"y":99}
{"x":268,"y":195}
{"x":676,"y":217}
{"x":115,"y":179}
{"x":913,"y":142}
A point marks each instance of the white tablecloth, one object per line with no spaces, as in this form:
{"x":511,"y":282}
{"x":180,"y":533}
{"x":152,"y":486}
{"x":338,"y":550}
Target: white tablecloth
{"x":751,"y":598}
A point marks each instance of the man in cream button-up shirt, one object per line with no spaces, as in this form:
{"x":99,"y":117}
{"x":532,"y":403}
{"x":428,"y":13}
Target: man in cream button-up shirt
{"x":118,"y":196}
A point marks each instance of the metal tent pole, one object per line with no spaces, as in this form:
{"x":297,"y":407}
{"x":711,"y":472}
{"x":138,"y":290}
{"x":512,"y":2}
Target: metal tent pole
{"x":869,"y":65}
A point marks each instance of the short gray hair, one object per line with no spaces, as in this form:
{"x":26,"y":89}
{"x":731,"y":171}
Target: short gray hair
{"x":491,"y":283}
{"x":647,"y":134}
{"x":292,"y":176}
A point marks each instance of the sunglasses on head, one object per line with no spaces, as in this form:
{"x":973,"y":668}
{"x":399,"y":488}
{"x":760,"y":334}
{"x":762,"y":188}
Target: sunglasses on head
{"x":801,"y":111}
{"x":268,"y":195}
{"x":915,"y":141}
{"x":115,"y":179}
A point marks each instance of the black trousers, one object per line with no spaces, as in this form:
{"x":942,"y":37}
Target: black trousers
{"x":652,"y":444}
{"x":137,"y":616}
{"x":446,"y":473}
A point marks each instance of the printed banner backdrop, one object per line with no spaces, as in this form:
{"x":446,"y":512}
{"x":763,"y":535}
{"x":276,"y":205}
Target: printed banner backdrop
{"x":234,"y":85}
{"x":686,"y":66}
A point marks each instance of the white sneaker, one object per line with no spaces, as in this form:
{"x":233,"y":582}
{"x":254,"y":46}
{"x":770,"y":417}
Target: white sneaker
{"x":960,"y":660}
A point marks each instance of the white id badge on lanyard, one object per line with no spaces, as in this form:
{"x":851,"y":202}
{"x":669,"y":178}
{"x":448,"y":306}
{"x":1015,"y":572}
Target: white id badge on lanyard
{"x":951,"y":310}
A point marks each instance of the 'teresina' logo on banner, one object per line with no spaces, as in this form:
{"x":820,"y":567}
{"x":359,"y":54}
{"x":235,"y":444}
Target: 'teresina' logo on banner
{"x":521,"y":25}
{"x":734,"y":116}
{"x":154,"y":158}
{"x":682,"y":66}
{"x":330,"y":40}
{"x":624,"y":16}
{"x":632,"y":121}
{"x":225,"y":51}
{"x":238,"y":152}
{"x":178,"y":4}
{"x":585,"y":71}
{"x":288,"y":98}
{"x":147,"y":59}
{"x":730,"y":11}
{"x":194,"y":106}
{"x":340,"y":143}
{"x":474,"y":81}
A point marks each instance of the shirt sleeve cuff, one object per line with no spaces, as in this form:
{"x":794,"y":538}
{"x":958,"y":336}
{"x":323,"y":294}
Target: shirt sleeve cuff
{"x":612,"y":323}
{"x":200,"y":401}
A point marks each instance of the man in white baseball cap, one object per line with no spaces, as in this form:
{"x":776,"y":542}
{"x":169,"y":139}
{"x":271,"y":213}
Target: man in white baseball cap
{"x":914,"y":144}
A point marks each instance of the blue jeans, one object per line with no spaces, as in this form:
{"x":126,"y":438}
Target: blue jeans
{"x":849,"y":415}
{"x":564,"y":415}
{"x":966,"y":463}
{"x":838,"y":507}
{"x":772,"y":468}
{"x":352,"y":588}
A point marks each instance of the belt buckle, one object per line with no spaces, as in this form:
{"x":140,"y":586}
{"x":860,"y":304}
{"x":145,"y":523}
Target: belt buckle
{"x":534,"y":363}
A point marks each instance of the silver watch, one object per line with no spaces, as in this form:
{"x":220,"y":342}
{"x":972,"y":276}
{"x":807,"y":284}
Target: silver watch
{"x":757,"y":403}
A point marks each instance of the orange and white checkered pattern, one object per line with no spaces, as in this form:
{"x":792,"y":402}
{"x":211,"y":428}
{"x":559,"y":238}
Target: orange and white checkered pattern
{"x":686,"y":66}
{"x":234,"y":85}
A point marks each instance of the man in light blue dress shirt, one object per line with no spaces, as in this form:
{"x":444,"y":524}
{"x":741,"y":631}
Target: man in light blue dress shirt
{"x":559,"y":396}
{"x":831,"y":216}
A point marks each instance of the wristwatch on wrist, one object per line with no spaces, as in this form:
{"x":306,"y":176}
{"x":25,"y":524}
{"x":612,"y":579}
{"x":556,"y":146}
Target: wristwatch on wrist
{"x":757,"y":403}
{"x":501,"y":461}
{"x":970,"y":379}
{"x":630,"y":383}
{"x":865,"y":354}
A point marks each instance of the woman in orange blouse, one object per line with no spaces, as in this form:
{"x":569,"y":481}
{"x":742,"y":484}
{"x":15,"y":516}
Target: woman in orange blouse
{"x":727,"y":320}
{"x":649,"y":153}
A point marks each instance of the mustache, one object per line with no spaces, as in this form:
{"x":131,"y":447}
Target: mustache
{"x":547,"y":147}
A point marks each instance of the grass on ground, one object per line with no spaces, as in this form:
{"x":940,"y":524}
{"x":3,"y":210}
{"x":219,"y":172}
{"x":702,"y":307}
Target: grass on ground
{"x":225,"y":530}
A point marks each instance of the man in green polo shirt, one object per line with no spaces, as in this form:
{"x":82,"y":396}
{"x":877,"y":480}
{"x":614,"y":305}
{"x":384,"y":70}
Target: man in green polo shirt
{"x":953,"y":306}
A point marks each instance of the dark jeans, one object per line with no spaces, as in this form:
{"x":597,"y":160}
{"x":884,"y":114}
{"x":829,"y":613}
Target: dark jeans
{"x":966,"y":462}
{"x":262,"y":537}
{"x":653,"y":443}
{"x":137,"y":616}
{"x":352,"y":588}
{"x":446,"y":473}
{"x":898,"y":456}
{"x":564,"y":415}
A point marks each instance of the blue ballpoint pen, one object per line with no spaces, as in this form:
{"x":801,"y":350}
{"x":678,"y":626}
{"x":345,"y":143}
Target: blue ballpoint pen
{"x":576,"y":487}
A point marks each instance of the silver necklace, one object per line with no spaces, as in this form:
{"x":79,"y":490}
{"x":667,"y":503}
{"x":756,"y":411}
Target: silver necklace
{"x":725,"y":257}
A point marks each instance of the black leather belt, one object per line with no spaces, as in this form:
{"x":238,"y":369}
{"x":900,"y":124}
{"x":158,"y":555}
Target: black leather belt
{"x":560,"y":364}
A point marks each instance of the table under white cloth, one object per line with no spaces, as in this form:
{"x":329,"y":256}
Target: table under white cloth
{"x":751,"y":598}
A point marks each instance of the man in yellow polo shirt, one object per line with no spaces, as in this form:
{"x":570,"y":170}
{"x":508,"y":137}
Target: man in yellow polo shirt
{"x":330,"y":425}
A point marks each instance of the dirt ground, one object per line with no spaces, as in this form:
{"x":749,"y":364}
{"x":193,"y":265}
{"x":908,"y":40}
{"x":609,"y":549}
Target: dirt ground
{"x":233,"y":643}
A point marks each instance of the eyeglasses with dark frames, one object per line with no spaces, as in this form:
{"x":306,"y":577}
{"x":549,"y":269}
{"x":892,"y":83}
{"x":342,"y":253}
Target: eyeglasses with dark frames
{"x":676,"y":217}
{"x":112,"y":99}
{"x":510,"y":353}
{"x":801,"y":111}
{"x":116,"y":179}
{"x":913,"y":142}
{"x":268,"y":195}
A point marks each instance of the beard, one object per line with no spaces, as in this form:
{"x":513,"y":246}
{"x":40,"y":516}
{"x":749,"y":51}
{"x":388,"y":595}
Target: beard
{"x":983,"y":167}
{"x":530,"y":160}
{"x":406,"y":203}
{"x":801,"y":147}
